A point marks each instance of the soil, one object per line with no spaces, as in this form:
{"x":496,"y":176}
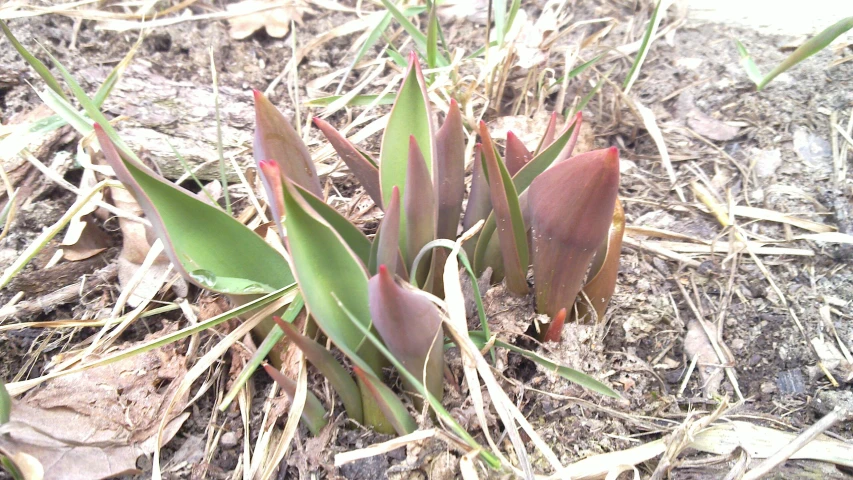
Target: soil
{"x":774,"y":153}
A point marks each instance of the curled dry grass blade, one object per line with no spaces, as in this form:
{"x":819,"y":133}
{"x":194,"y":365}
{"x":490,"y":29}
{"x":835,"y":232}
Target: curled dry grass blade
{"x":605,"y":267}
{"x":410,"y":325}
{"x":276,"y":140}
{"x":571,"y":208}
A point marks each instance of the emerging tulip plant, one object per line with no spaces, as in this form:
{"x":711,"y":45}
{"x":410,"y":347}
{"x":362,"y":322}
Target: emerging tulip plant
{"x":547,"y":209}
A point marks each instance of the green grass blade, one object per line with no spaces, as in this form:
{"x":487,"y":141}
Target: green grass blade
{"x":417,"y":36}
{"x":432,"y":38}
{"x":499,"y":8}
{"x":570,"y":374}
{"x":313,"y":413}
{"x":748,"y":64}
{"x":5,"y":403}
{"x":356,"y":101}
{"x":585,"y":100}
{"x":644,"y":48}
{"x":806,"y":50}
{"x":34,"y":62}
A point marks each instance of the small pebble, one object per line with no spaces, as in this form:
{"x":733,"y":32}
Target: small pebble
{"x":228,"y":439}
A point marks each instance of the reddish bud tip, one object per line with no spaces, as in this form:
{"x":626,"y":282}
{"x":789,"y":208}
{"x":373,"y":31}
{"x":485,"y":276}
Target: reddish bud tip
{"x":413,"y":58}
{"x":257,"y":94}
{"x":383,"y":270}
{"x":509,"y":135}
{"x":98,"y":127}
{"x":555,"y":328}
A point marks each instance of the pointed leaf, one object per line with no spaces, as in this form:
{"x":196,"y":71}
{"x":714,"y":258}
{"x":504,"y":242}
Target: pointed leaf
{"x":34,"y":62}
{"x":271,"y":179}
{"x":449,"y":173}
{"x":329,"y":367}
{"x":276,"y":139}
{"x":418,"y":204}
{"x":517,"y":155}
{"x":388,"y":251}
{"x":410,"y":325}
{"x":235,"y":260}
{"x":479,"y":203}
{"x":486,"y":250}
{"x":571,"y":208}
{"x":409,"y":117}
{"x":604,"y":269}
{"x":325,"y":267}
{"x":549,"y":135}
{"x":390,"y":405}
{"x":313,"y":414}
{"x":512,"y":233}
{"x":360,"y":164}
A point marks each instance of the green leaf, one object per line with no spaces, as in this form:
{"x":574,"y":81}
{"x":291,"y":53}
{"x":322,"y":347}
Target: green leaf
{"x":352,"y":235}
{"x":313,"y":414}
{"x":571,"y":208}
{"x":432,"y":38}
{"x":501,"y":27}
{"x":387,"y":402}
{"x":570,"y":374}
{"x":479,"y":202}
{"x":329,"y":367}
{"x":410,"y":325}
{"x":409,"y":117}
{"x":275,"y":139}
{"x":235,"y":260}
{"x":34,"y":62}
{"x":511,"y":230}
{"x":360,"y":164}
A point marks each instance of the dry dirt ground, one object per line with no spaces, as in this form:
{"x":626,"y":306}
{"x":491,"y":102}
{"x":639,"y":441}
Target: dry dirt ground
{"x":772,"y":150}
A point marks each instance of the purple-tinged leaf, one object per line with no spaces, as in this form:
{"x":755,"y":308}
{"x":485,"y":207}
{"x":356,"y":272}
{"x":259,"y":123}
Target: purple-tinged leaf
{"x":517,"y":155}
{"x":449,"y":173}
{"x":418,"y":204}
{"x":329,"y":367}
{"x":575,"y":129}
{"x":387,"y":402}
{"x":449,"y":181}
{"x":486,"y":252}
{"x":549,"y":135}
{"x":362,"y":166}
{"x":554,"y":329}
{"x":512,"y":233}
{"x":571,"y":209}
{"x":479,"y":203}
{"x":604,"y":270}
{"x":388,"y":237}
{"x":410,"y":325}
{"x":313,"y":414}
{"x":271,"y":179}
{"x":276,"y":139}
{"x":235,"y":261}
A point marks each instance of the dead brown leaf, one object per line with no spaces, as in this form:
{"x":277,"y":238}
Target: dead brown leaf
{"x":274,"y":15}
{"x":710,"y":127}
{"x":709,"y":366}
{"x":95,"y":424}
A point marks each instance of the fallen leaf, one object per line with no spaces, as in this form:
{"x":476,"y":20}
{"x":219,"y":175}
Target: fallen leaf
{"x":274,"y":15}
{"x":710,"y":127}
{"x":696,"y":343}
{"x":95,"y":424}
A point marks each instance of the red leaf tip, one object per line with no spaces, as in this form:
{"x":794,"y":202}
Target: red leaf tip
{"x":413,"y":58}
{"x":509,"y":135}
{"x":97,"y":126}
{"x":383,"y":270}
{"x":257,"y":94}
